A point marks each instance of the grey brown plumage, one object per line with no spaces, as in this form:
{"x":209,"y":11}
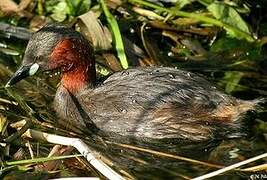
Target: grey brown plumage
{"x":151,"y":102}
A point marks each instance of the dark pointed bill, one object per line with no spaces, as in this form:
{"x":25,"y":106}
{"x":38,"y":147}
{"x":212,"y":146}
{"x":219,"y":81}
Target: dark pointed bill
{"x":21,"y":73}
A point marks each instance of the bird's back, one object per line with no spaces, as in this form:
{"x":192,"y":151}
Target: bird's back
{"x":160,"y":103}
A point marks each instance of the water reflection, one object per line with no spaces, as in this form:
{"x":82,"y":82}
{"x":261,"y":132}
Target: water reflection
{"x":143,"y":159}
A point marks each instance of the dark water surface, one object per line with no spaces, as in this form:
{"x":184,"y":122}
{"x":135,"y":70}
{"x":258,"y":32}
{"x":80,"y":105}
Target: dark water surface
{"x":38,"y":93}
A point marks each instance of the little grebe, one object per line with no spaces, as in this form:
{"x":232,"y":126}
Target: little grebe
{"x":151,"y":102}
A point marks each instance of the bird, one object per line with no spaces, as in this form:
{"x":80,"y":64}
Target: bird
{"x":152,"y":103}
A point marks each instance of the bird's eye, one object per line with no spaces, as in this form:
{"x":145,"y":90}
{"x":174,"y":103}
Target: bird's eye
{"x":38,"y":58}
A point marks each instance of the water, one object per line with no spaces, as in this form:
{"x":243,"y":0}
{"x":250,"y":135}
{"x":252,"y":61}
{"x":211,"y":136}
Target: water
{"x":153,"y":160}
{"x":139,"y":158}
